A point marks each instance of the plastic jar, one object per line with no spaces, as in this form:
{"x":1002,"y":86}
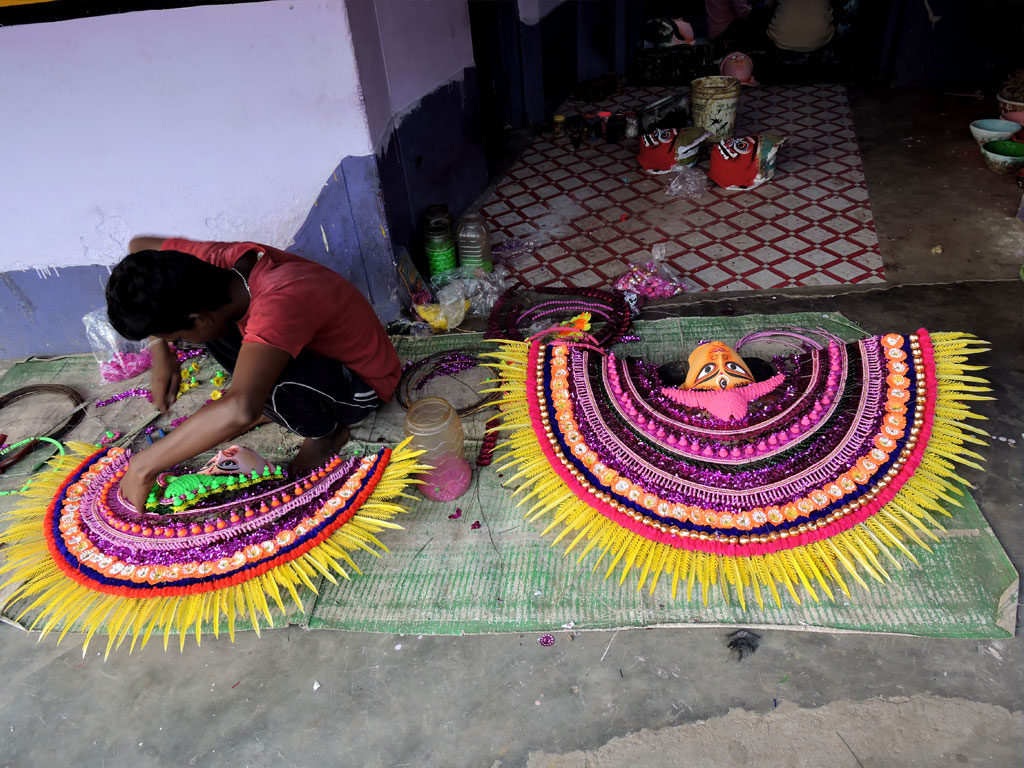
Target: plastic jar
{"x":435,"y":427}
{"x":437,"y":212}
{"x":474,"y":242}
{"x":440,"y":248}
{"x":632,"y":125}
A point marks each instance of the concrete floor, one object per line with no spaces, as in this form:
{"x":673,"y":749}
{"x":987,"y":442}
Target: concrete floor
{"x":638,"y":698}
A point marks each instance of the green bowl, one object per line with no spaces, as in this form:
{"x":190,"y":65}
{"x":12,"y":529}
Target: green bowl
{"x":1003,"y":156}
{"x":1005,"y":148}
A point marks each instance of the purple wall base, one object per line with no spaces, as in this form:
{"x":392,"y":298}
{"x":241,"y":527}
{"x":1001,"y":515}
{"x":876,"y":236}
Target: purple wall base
{"x":43,"y":315}
{"x":346,"y":231}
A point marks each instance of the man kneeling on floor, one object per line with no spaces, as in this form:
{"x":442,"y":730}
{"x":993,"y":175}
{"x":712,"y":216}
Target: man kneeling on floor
{"x":304,"y":347}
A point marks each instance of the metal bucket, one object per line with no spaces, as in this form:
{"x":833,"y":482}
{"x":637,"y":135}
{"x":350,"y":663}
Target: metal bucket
{"x":714,"y":100}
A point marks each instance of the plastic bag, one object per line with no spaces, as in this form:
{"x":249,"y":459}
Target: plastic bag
{"x":480,"y":287}
{"x":402,"y":326}
{"x":484,"y":289}
{"x":651,"y":280}
{"x":688,"y":182}
{"x":118,"y":358}
{"x":450,"y":309}
{"x":511,"y":249}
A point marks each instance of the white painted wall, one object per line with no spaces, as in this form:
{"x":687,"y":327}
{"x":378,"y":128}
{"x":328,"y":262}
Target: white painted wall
{"x":362,"y":17}
{"x":219,"y":122}
{"x":532,"y":11}
{"x":426,"y":43}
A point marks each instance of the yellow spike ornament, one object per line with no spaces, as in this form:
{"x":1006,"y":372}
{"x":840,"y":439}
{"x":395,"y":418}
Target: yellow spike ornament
{"x":77,"y":559}
{"x":831,"y":473}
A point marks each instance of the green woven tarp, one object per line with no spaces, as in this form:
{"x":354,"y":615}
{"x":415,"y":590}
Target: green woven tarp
{"x":443,"y":576}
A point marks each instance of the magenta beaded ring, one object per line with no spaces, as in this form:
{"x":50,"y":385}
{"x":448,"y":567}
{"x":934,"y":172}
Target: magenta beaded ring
{"x":516,"y":311}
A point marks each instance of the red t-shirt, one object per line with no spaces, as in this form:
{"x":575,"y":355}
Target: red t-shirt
{"x":298,"y":304}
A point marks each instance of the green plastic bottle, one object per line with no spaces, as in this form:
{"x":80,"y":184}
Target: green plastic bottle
{"x":440,"y":248}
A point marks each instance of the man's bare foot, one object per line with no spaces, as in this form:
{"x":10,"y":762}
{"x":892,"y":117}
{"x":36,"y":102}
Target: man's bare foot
{"x":316,"y":451}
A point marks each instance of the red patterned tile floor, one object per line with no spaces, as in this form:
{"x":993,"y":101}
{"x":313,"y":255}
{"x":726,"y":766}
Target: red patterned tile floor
{"x":593,"y":211}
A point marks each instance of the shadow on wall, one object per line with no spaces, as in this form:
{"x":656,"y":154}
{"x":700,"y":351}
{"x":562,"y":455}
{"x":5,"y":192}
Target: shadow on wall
{"x":434,"y":154}
{"x":444,"y":149}
{"x":946,"y":44}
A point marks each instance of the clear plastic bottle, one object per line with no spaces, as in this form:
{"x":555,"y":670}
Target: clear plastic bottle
{"x":435,"y":427}
{"x":474,"y":242}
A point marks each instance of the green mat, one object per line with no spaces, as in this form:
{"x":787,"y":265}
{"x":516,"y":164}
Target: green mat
{"x":444,"y":576}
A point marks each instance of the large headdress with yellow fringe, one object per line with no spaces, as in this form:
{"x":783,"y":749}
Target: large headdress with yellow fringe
{"x":835,"y":469}
{"x":77,"y":558}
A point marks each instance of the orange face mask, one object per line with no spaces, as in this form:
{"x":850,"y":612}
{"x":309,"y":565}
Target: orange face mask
{"x":716,"y":366}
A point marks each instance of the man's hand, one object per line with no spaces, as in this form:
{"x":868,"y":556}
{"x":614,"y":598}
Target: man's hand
{"x":258,"y":367}
{"x":165,"y":376}
{"x":137,"y":483}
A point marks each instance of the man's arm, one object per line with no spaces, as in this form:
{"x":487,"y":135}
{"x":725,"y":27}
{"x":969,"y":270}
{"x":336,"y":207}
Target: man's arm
{"x":145,"y":243}
{"x":164,"y":376}
{"x":257,"y":369}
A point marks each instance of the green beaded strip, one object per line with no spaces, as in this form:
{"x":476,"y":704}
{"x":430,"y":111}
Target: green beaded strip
{"x":185,"y":491}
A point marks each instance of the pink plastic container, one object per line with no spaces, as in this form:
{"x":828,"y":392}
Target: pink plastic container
{"x":435,"y":427}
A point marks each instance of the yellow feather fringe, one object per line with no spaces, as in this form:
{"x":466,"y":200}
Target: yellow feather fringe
{"x":62,"y":604}
{"x":867,"y":551}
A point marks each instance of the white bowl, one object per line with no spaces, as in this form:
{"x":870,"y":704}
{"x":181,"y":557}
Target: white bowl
{"x":993,"y":130}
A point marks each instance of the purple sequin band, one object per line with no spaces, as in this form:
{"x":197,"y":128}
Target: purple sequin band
{"x":188,"y":354}
{"x":125,"y":395}
{"x":448,"y":365}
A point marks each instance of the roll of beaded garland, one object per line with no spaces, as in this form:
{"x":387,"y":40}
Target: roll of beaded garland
{"x":517,"y":310}
{"x":29,"y":443}
{"x":832,"y":472}
{"x":416,"y":374}
{"x":79,"y":558}
{"x":73,"y":418}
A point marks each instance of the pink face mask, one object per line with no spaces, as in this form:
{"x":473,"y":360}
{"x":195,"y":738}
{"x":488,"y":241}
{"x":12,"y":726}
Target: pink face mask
{"x":236,"y":460}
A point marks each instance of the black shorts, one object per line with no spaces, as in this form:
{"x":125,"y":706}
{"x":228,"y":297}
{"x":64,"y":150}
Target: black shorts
{"x":313,"y":396}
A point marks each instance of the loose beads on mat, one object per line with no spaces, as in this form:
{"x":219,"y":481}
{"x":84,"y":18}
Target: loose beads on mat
{"x":110,"y":436}
{"x":188,"y":354}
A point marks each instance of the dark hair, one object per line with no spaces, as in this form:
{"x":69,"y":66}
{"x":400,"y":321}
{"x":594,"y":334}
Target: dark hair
{"x":155,"y":292}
